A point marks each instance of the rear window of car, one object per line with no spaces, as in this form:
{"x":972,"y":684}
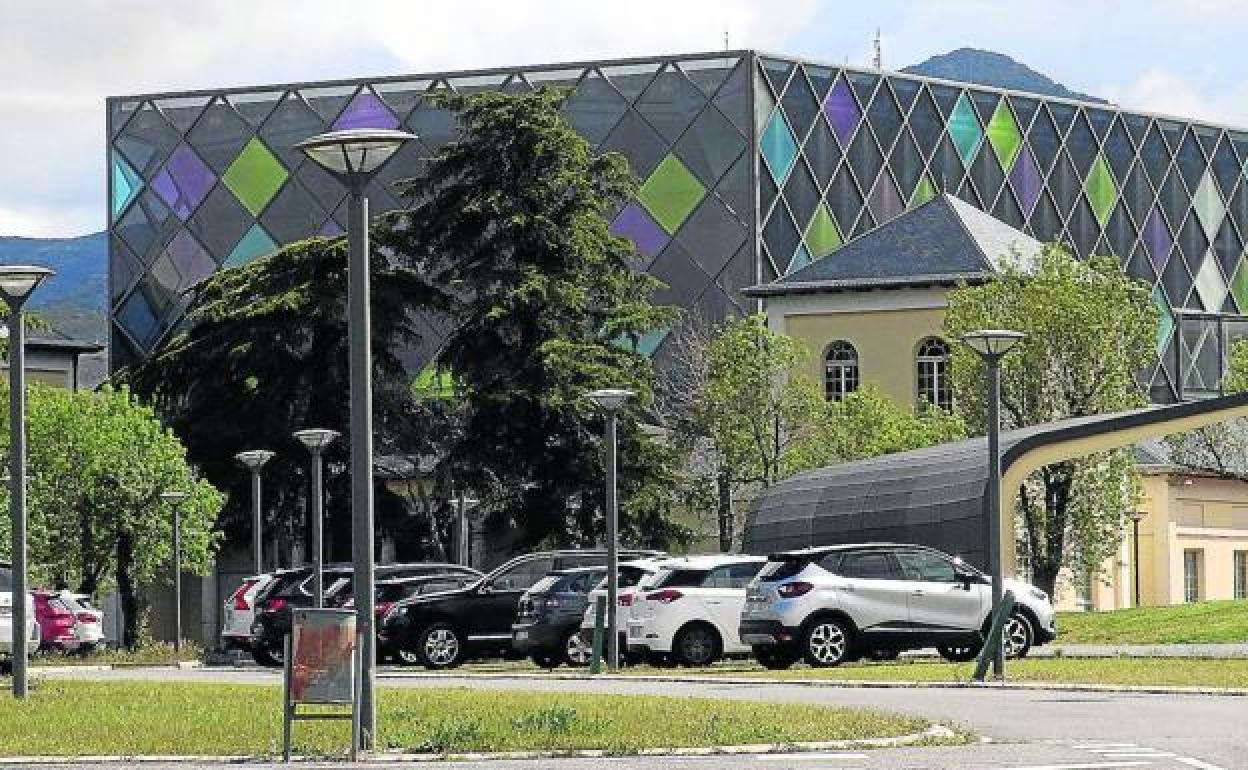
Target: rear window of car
{"x":545,"y":584}
{"x":784,"y":569}
{"x":6,"y":579}
{"x":631,"y":576}
{"x":680,"y":578}
{"x":434,"y":586}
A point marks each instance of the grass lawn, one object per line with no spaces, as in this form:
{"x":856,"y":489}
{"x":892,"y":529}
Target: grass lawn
{"x":1201,"y":622}
{"x":1163,"y":672}
{"x":135,"y":718}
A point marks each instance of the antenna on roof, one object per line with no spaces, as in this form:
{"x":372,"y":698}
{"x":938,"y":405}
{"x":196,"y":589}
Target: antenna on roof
{"x":878,"y":60}
{"x":726,"y":46}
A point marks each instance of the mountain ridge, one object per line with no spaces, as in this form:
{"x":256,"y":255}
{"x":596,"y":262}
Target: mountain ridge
{"x":989,"y":68}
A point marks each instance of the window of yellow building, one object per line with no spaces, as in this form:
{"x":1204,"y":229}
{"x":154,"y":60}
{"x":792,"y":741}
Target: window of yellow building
{"x":932,"y":365}
{"x":840,"y":370}
{"x":1192,"y":559}
{"x":1241,"y":574}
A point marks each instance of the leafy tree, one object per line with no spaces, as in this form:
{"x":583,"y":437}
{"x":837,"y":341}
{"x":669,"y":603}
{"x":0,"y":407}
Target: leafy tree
{"x":262,"y":353}
{"x":98,"y":464}
{"x":543,"y":307}
{"x":747,"y":417}
{"x":1089,"y":332}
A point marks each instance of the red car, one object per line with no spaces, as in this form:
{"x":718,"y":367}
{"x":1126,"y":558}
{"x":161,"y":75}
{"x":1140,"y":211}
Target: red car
{"x":57,"y":621}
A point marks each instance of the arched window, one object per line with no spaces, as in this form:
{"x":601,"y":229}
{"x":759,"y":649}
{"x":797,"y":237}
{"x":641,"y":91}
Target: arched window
{"x":840,"y":370}
{"x":933,"y":371}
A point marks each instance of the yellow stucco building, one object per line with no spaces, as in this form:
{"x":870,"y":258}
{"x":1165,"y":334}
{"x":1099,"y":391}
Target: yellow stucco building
{"x":873,"y":311}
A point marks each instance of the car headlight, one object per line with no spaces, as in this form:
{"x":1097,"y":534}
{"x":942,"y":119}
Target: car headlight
{"x":1036,"y":593}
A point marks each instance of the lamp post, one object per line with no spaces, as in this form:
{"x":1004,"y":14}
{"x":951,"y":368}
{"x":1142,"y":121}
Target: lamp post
{"x":175,"y":498}
{"x":353,"y":157}
{"x":17,"y":283}
{"x":316,"y":439}
{"x":1136,"y":518}
{"x":992,"y":345}
{"x":610,"y":401}
{"x":254,"y":460}
{"x":463,"y":551}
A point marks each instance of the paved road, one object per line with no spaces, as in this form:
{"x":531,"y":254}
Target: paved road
{"x":1040,"y":729}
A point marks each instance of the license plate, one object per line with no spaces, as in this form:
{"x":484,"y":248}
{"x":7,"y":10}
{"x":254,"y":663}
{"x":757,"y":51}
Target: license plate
{"x":522,"y":635}
{"x":634,"y":632}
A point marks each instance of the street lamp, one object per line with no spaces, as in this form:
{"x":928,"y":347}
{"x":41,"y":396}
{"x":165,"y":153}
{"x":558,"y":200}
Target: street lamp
{"x":610,"y":400}
{"x":353,"y":157}
{"x":17,"y":283}
{"x":992,"y":345}
{"x":254,"y":460}
{"x":316,"y":439}
{"x":175,"y":499}
{"x":1136,"y":517}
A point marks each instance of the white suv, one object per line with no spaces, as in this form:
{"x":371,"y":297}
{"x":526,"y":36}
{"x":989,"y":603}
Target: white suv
{"x":689,"y":613}
{"x":6,"y":617}
{"x":239,"y":612}
{"x":836,"y":603}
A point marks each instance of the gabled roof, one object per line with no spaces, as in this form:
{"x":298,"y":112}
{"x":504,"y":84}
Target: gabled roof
{"x":940,"y":242}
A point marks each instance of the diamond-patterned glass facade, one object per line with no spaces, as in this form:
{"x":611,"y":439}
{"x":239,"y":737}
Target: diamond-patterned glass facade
{"x":748,"y":167}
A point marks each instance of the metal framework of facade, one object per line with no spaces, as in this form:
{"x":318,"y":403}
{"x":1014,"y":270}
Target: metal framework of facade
{"x":935,"y":496}
{"x":752,"y":165}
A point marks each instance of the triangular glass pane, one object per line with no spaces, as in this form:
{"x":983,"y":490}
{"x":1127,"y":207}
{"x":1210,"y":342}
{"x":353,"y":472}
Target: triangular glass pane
{"x":1024,"y":109}
{"x":801,"y":258}
{"x":402,"y":96}
{"x":923,"y":193}
{"x":905,"y":90}
{"x":366,"y":110}
{"x":328,"y":101}
{"x":126,"y":184}
{"x":1100,"y":121}
{"x":630,"y":79}
{"x":671,"y":103}
{"x":182,"y":111}
{"x":777,"y":73}
{"x":985,"y":104}
{"x":1063,"y":116}
{"x":863,"y":84}
{"x":946,"y":97}
{"x":1173,"y":133}
{"x":708,"y":74}
{"x":1208,"y":137}
{"x":821,"y":78}
{"x":254,"y":106}
{"x":471,"y":84}
{"x":1137,"y":126}
{"x":822,"y":234}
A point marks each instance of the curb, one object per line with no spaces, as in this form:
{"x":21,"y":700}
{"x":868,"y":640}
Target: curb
{"x":184,"y":665}
{"x":935,"y":732}
{"x":843,"y":684}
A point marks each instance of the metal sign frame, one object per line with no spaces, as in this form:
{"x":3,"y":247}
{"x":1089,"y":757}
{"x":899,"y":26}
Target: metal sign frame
{"x":290,"y":706}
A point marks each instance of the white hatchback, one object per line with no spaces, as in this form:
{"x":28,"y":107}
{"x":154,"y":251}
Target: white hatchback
{"x":6,"y":617}
{"x":240,"y":610}
{"x":691,"y":610}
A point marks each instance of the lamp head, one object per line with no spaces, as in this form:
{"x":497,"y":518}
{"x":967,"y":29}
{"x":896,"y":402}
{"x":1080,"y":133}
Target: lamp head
{"x":1137,"y":516}
{"x":357,"y":153}
{"x":993,"y":343}
{"x":610,"y":399}
{"x":254,"y":459}
{"x":174,"y":496}
{"x":17,"y":282}
{"x":316,"y":439}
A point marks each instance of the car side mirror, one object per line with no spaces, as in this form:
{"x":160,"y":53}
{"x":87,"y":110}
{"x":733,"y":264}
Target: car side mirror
{"x":966,"y":578}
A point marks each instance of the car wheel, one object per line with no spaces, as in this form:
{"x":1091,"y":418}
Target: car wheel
{"x":774,"y":658}
{"x":884,"y":654}
{"x":440,"y":647}
{"x":268,"y":655}
{"x":1016,"y":637}
{"x":577,"y":652}
{"x":546,"y":660}
{"x":827,"y":642}
{"x":696,"y":645}
{"x":959,"y":653}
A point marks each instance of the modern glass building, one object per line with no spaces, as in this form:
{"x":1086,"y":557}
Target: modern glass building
{"x":752,"y":165}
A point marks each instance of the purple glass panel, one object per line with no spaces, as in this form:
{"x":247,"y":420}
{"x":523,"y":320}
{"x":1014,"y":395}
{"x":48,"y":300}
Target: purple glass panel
{"x":1158,"y":239}
{"x":184,"y":181}
{"x":330,"y":229}
{"x":636,"y":225}
{"x":842,"y":111}
{"x":366,"y":111}
{"x":1025,"y":178}
{"x":884,"y":201}
{"x":194,"y":264}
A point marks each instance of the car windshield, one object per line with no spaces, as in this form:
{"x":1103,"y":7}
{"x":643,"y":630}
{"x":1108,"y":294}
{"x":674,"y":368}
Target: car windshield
{"x":6,"y":579}
{"x":545,"y":584}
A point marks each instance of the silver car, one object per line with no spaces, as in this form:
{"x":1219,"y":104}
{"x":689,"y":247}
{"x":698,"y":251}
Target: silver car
{"x":832,"y":604}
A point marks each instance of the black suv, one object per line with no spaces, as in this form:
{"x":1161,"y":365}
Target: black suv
{"x":444,"y":630}
{"x":548,"y":621}
{"x":293,"y":588}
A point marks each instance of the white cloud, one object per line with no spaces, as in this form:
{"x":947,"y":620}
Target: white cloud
{"x":1162,"y":91}
{"x":61,"y":60}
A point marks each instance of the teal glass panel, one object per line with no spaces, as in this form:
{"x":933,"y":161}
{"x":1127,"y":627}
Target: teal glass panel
{"x":126,"y":185}
{"x":779,"y":148}
{"x":965,"y":130}
{"x":255,"y":244}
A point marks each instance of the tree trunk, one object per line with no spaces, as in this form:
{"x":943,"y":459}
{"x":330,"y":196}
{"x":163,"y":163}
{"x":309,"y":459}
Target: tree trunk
{"x":727,"y":523}
{"x":1044,"y":575}
{"x":125,"y":589}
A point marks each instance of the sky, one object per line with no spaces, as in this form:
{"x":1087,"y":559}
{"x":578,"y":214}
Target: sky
{"x":59,"y":59}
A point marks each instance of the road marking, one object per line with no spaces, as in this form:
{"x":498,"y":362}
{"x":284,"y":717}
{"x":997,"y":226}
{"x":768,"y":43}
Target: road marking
{"x":1085,"y":766}
{"x":1097,"y":745}
{"x":808,"y":757}
{"x":1138,"y":754}
{"x":1190,"y":762}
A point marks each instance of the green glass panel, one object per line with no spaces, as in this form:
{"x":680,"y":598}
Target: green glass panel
{"x":822,"y":235}
{"x":255,"y":176}
{"x":671,"y":193}
{"x":1165,"y":326}
{"x":255,"y":244}
{"x":1239,"y":286}
{"x":126,"y":184}
{"x":923,"y":192}
{"x":1101,"y":189}
{"x":433,"y":382}
{"x":1004,"y":135}
{"x":801,"y":258}
{"x":964,"y":130}
{"x":1209,"y":206}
